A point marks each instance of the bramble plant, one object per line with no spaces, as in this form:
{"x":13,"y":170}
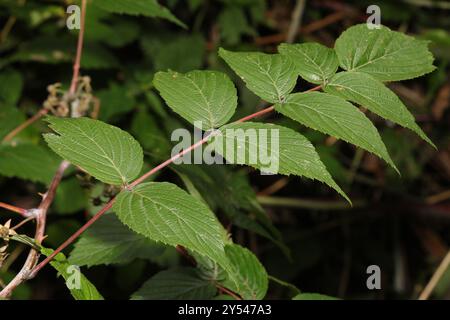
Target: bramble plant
{"x":138,"y":218}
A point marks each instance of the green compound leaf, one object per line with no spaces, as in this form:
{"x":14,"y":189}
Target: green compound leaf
{"x":206,"y":96}
{"x":108,"y":241}
{"x":270,"y":76}
{"x":148,"y":8}
{"x":176,"y":284}
{"x":251,"y":279}
{"x":163,"y":212}
{"x":86,"y":290}
{"x":368,"y":92}
{"x":337,"y":117}
{"x":106,"y":152}
{"x":272,"y":149}
{"x":315,"y":62}
{"x":386,"y":55}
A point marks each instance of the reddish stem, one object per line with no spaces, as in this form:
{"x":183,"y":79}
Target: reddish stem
{"x":257,"y":114}
{"x":167,"y":162}
{"x":21,"y":211}
{"x":73,"y":237}
{"x":228,"y":291}
{"x":25,"y":124}
{"x":77,"y":63}
{"x":40,"y":215}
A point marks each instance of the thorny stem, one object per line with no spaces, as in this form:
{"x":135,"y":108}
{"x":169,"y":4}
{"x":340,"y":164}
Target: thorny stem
{"x":21,"y":211}
{"x":138,"y":181}
{"x":41,"y":215}
{"x":41,"y":212}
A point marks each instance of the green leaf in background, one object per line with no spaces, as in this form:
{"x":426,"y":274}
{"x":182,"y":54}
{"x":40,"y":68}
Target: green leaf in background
{"x":368,"y":92}
{"x":337,"y":117}
{"x":176,"y":284}
{"x":115,"y":101}
{"x":10,"y":118}
{"x":251,"y":280}
{"x":22,"y":292}
{"x":148,"y":8}
{"x":10,"y":94}
{"x":108,"y":241}
{"x":386,"y":55}
{"x":28,"y":161}
{"x":96,"y":56}
{"x":233,"y":25}
{"x":106,"y":152}
{"x":292,"y":154}
{"x":70,"y":197}
{"x":146,"y":130}
{"x":44,"y":49}
{"x":315,"y":62}
{"x":58,"y":229}
{"x":87,"y":290}
{"x":164,"y":51}
{"x":163,"y":212}
{"x":99,"y":23}
{"x":206,"y":96}
{"x":313,"y":296}
{"x":270,"y":76}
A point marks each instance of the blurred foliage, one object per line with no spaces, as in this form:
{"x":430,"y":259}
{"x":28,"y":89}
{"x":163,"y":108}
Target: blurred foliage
{"x":403,"y":226}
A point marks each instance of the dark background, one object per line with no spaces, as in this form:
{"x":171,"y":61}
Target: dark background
{"x":400,"y":223}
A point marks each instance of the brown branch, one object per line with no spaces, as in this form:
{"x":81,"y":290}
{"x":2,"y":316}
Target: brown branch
{"x":40,"y":214}
{"x":275,"y":187}
{"x":25,"y":124}
{"x":296,"y":21}
{"x":307,"y":29}
{"x":72,"y":237}
{"x":9,"y":24}
{"x":7,"y":28}
{"x":77,"y":63}
{"x":21,"y":211}
{"x":445,"y":264}
{"x":228,"y":291}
